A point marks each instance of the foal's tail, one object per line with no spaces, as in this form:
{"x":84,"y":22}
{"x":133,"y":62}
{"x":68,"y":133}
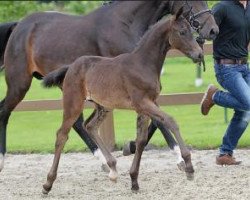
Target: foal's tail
{"x":5,"y":32}
{"x":55,"y":78}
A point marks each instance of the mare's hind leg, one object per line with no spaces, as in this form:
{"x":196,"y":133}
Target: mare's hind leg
{"x":150,"y":109}
{"x":141,"y":141}
{"x":92,"y":125}
{"x":18,"y":83}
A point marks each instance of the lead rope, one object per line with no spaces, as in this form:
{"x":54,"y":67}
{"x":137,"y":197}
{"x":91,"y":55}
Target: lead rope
{"x":201,"y":42}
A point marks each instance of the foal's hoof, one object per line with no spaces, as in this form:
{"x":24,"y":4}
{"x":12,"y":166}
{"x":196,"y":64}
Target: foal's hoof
{"x":105,"y":168}
{"x":45,"y":189}
{"x":113,"y":175}
{"x":135,"y":187}
{"x":182,"y":166}
{"x":190,"y":176}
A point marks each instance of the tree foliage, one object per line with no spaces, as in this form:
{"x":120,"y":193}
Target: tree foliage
{"x":211,"y":3}
{"x":16,"y":10}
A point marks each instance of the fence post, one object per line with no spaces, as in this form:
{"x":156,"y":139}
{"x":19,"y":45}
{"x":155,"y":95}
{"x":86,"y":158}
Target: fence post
{"x":107,"y":132}
{"x":198,"y":80}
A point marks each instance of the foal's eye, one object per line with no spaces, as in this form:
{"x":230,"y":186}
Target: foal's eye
{"x":182,"y":32}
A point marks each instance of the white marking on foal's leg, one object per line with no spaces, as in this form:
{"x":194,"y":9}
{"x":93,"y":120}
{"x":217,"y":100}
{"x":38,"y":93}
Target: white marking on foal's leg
{"x":180,"y":161}
{"x":113,"y":175}
{"x":1,"y":162}
{"x":177,"y":151}
{"x":98,"y":154}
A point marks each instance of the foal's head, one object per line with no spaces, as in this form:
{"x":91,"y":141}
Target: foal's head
{"x":181,"y":38}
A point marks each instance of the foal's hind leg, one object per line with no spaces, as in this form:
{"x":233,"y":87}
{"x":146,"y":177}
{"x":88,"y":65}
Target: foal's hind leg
{"x":149,"y":108}
{"x":18,"y":83}
{"x":73,"y":106}
{"x":141,"y":141}
{"x":78,"y":127}
{"x":92,"y":125}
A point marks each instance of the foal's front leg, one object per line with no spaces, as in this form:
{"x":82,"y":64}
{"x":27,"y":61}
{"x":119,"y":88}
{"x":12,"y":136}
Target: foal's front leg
{"x":130,"y":147}
{"x":149,"y":108}
{"x":141,"y":141}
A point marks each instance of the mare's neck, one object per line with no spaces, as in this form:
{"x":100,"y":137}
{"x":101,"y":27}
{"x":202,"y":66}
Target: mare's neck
{"x":154,"y":45}
{"x":137,"y":16}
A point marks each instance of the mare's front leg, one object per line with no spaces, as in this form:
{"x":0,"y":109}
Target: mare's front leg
{"x":17,"y":88}
{"x":141,"y":141}
{"x":149,"y":108}
{"x":92,"y":125}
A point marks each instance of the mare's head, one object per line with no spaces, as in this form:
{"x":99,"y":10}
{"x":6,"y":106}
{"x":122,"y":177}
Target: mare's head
{"x":199,"y":17}
{"x":180,"y":37}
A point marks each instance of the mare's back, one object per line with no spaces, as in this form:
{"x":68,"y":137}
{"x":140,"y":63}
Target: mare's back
{"x":57,"y":38}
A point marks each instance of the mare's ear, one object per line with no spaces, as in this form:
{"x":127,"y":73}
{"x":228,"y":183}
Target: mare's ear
{"x":179,"y":13}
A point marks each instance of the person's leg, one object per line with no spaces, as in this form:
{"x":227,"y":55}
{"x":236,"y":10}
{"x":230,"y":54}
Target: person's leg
{"x":236,"y":80}
{"x":234,"y":131}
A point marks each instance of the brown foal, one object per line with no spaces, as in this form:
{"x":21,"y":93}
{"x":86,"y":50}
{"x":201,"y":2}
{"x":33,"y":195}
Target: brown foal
{"x":130,"y":81}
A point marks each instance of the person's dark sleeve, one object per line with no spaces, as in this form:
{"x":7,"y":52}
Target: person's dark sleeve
{"x":219,"y":11}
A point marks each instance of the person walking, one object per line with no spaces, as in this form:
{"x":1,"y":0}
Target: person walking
{"x":230,"y":52}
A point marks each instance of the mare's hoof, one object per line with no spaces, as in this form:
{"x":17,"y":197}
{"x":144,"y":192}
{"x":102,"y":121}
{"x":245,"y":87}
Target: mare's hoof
{"x":105,"y":168}
{"x":190,"y":176}
{"x":182,"y":166}
{"x":126,"y":149}
{"x":1,"y":162}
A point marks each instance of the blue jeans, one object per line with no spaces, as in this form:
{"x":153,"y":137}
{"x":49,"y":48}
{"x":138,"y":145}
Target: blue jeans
{"x":236,"y":80}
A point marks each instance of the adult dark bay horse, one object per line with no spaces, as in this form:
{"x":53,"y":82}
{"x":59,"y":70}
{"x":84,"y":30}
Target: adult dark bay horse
{"x":130,"y":81}
{"x":42,"y":42}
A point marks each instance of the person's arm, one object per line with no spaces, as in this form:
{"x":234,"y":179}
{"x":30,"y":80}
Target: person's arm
{"x":219,"y":11}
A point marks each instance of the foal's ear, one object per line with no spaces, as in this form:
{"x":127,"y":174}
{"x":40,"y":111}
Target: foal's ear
{"x":179,"y":13}
{"x":187,"y":13}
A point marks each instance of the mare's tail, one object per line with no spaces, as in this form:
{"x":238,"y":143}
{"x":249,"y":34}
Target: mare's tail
{"x":55,"y":78}
{"x":5,"y":32}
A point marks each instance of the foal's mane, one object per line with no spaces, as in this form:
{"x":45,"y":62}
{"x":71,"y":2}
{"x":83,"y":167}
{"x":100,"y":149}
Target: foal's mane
{"x":153,"y":28}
